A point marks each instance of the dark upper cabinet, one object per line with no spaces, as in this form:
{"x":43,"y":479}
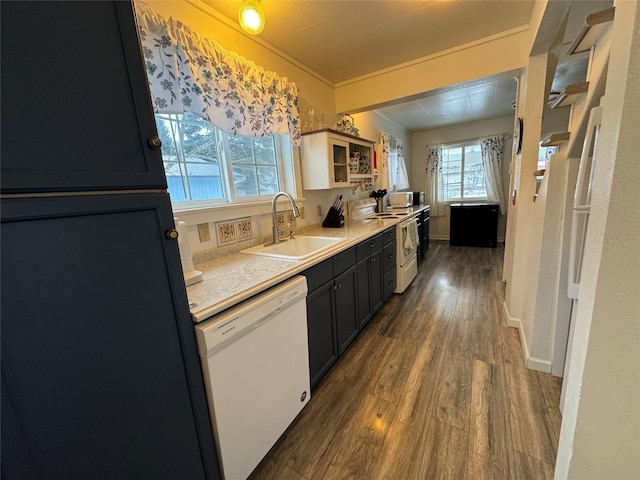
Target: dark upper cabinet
{"x":76,"y":112}
{"x":100,"y":371}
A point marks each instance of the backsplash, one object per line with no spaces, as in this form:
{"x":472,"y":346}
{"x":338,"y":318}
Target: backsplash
{"x":234,"y":235}
{"x":223,"y":237}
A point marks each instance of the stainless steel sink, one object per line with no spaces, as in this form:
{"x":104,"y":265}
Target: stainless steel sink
{"x":297,"y":249}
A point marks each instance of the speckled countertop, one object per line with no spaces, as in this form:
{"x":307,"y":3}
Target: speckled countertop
{"x":234,"y":278}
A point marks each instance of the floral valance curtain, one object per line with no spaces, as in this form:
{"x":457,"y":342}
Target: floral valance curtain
{"x":492,"y":157}
{"x":435,"y":181}
{"x":189,"y":73}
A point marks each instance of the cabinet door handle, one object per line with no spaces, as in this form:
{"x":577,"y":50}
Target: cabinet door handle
{"x":172,"y":234}
{"x":372,"y":245}
{"x":155,"y":142}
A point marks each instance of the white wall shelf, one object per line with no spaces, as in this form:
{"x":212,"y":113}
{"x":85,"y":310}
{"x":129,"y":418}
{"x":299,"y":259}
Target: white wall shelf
{"x":556,"y":139}
{"x":570,"y":94}
{"x":595,"y":25}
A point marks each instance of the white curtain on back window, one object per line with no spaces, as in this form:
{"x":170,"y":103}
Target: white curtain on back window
{"x":190,"y":73}
{"x":492,"y":158}
{"x":435,"y":181}
{"x":400,"y":177}
{"x":383,"y":180}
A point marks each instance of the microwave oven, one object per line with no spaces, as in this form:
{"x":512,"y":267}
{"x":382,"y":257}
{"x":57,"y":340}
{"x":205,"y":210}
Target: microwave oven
{"x":401,"y":199}
{"x":418,"y":198}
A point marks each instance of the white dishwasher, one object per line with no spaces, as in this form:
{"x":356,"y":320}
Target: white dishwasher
{"x":255,"y":363}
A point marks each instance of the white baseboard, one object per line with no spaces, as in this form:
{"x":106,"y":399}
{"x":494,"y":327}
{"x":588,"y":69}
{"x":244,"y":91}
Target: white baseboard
{"x":538,"y":364}
{"x":532,"y":363}
{"x":511,"y":321}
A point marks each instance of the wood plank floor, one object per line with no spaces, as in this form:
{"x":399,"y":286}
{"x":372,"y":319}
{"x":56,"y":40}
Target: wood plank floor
{"x":435,"y":387}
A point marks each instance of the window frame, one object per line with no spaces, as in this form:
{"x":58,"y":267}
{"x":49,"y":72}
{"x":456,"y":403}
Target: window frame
{"x":462,"y":198}
{"x":231,"y":189}
{"x":283,"y":163}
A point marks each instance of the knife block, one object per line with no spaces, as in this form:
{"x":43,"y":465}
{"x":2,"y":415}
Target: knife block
{"x":333,"y":219}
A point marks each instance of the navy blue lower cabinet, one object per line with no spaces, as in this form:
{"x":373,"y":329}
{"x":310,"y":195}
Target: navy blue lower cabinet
{"x":344,"y":294}
{"x":323,"y":347}
{"x":389,"y":270}
{"x":365,"y":312}
{"x":369,"y":272}
{"x":100,"y":370}
{"x":346,"y":313}
{"x":332,"y":320}
{"x":376,"y":273}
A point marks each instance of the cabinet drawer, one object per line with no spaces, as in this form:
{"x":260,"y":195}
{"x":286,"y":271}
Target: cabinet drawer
{"x":389,"y":235}
{"x":369,"y":246}
{"x":389,"y":283}
{"x":318,"y":275}
{"x":344,"y":260}
{"x":389,"y":256}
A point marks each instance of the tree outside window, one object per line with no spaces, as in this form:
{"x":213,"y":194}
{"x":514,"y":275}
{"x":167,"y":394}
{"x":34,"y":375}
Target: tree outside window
{"x":203,"y":163}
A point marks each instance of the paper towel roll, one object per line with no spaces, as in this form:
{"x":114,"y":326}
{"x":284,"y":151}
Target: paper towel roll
{"x":191,"y":276}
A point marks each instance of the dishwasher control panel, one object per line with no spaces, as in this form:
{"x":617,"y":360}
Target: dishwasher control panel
{"x":239,"y":320}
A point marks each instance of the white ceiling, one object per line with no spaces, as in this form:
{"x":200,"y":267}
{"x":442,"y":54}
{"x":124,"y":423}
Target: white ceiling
{"x":343,"y":39}
{"x":490,"y":97}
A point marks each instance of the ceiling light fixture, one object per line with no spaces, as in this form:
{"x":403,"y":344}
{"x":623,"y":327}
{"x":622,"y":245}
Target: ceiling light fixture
{"x":251,"y":16}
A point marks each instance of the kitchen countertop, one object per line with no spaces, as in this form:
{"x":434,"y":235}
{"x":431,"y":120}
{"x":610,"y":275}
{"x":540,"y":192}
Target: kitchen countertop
{"x":234,"y":278}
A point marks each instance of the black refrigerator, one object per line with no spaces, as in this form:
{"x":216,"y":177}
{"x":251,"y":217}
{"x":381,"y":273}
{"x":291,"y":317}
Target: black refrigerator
{"x":100,"y":371}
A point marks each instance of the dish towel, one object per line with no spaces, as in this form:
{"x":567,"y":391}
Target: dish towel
{"x":410,"y":236}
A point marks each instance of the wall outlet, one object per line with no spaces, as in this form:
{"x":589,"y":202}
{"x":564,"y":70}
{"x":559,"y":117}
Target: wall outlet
{"x":203,"y":232}
{"x":319,"y":210}
{"x":301,"y":213}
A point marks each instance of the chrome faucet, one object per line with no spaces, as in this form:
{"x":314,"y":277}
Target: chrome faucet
{"x":294,"y":209}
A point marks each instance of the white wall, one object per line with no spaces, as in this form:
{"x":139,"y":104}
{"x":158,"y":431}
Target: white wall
{"x":526,"y":230}
{"x":439,"y":226}
{"x":600,"y":435}
{"x":459,"y":64}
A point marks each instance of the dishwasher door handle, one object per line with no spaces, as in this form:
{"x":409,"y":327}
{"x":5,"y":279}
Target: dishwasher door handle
{"x":267,"y":318}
